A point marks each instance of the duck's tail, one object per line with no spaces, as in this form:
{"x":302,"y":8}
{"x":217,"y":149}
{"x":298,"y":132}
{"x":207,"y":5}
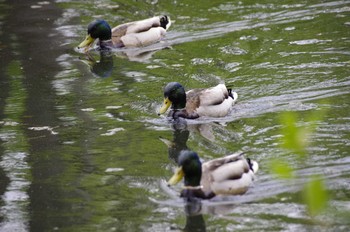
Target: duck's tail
{"x":232,"y":94}
{"x":254,"y":166}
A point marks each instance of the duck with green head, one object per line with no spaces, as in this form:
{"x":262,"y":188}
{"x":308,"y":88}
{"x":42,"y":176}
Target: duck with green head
{"x":133,"y":34}
{"x":216,"y":101}
{"x":229,"y":175}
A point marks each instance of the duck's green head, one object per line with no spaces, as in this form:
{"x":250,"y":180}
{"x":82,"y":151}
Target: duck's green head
{"x":175,"y":96}
{"x":98,"y":29}
{"x":190,"y":168}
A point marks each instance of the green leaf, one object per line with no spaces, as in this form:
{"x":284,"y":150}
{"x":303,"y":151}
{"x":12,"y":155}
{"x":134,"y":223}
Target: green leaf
{"x":281,"y":168}
{"x":294,"y":138}
{"x":315,"y":195}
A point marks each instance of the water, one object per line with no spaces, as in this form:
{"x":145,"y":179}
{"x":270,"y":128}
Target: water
{"x":80,"y":146}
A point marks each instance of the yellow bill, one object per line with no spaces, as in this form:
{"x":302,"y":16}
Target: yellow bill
{"x":166,"y":104}
{"x":177,"y":177}
{"x":87,"y":42}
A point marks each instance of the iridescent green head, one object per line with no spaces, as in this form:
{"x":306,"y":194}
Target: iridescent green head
{"x":190,"y":168}
{"x":97,"y":29}
{"x":175,"y":96}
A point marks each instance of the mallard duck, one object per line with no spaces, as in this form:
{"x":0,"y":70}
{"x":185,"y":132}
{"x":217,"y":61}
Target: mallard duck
{"x":230,"y":175}
{"x":212,"y":102}
{"x":132,"y":34}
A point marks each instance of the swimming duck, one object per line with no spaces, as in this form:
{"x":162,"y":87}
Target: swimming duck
{"x":230,"y":175}
{"x":132,"y":34}
{"x":212,"y":102}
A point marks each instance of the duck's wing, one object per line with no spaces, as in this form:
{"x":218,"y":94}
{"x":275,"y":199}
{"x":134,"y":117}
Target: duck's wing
{"x":196,"y":98}
{"x":120,"y":30}
{"x":233,"y":187}
{"x":228,"y":175}
{"x":144,"y":25}
{"x":210,"y":96}
{"x":227,"y":167}
{"x":138,"y":33}
{"x":117,"y":33}
{"x":136,"y":27}
{"x":219,"y":110}
{"x":144,"y":38}
{"x":213,"y":102}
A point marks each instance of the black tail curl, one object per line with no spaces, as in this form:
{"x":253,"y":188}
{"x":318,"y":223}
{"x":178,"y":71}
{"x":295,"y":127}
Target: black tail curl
{"x":250,"y":164}
{"x":230,"y":92}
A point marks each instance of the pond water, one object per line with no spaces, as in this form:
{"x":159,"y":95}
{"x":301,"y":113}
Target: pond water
{"x":81,"y":142}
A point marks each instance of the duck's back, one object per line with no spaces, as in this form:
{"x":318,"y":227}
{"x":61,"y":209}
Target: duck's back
{"x":210,"y":96}
{"x":143,"y":25}
{"x":144,"y":38}
{"x":135,"y":27}
{"x":211,"y":102}
{"x":139,"y":33}
{"x":228,"y":175}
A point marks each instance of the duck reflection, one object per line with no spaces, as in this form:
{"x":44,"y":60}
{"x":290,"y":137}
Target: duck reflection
{"x":179,"y":142}
{"x":140,"y":54}
{"x":194,"y":219}
{"x":206,"y":134}
{"x":5,"y":180}
{"x":102,"y":67}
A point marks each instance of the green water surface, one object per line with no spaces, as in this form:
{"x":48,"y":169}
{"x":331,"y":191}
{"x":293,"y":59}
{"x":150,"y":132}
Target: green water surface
{"x":80,"y":146}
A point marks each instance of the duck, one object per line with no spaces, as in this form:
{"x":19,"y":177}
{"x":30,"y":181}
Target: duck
{"x":133,"y":34}
{"x":215,"y":101}
{"x":229,"y":175}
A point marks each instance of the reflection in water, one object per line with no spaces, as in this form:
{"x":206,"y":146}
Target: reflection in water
{"x":205,"y":130}
{"x":194,"y":219}
{"x":143,"y":54}
{"x":5,"y":180}
{"x":208,"y":134}
{"x":102,"y":68}
{"x":32,"y":162}
{"x":179,"y":142}
{"x":15,"y":199}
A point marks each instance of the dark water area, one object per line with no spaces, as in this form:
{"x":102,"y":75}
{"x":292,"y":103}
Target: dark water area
{"x":81,"y":144}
